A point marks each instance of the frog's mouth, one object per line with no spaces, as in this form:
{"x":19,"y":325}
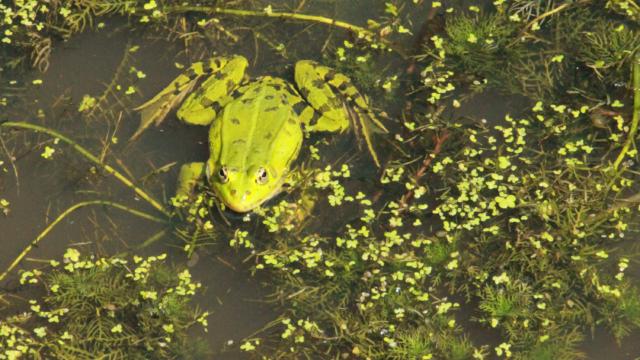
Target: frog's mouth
{"x":242,"y":205}
{"x":241,"y":208}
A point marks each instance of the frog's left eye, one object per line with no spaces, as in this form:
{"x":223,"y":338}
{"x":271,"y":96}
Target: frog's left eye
{"x":262,"y":176}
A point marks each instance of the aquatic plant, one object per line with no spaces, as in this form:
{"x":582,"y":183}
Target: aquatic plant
{"x":106,"y":308}
{"x":627,"y":8}
{"x":536,"y":56}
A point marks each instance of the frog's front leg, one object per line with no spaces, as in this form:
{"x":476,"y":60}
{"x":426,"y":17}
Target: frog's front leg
{"x":190,"y":175}
{"x":336,"y":103}
{"x":224,"y":73}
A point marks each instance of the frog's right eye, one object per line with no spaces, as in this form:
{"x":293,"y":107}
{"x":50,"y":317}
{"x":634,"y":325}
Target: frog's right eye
{"x":223,"y":174}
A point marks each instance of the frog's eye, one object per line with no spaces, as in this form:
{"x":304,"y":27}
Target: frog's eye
{"x":223,"y":174}
{"x":262,"y":176}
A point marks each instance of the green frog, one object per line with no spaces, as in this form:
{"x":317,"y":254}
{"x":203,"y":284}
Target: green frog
{"x":257,"y":127}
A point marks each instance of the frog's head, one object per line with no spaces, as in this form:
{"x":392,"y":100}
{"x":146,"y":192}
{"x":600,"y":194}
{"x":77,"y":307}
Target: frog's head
{"x":243,"y":191}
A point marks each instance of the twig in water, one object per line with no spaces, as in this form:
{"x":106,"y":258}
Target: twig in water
{"x":426,"y":162}
{"x":358,"y":30}
{"x":84,"y":152}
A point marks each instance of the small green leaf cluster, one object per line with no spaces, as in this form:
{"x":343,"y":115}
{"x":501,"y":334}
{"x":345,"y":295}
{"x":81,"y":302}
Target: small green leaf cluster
{"x":628,"y":8}
{"x":195,"y":212}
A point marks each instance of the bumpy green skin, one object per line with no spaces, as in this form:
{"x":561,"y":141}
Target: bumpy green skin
{"x":256,"y":127}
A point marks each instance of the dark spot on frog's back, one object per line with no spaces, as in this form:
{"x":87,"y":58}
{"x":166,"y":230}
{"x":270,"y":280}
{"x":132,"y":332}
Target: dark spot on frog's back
{"x":268,"y":136}
{"x":235,"y":121}
{"x":200,"y":92}
{"x":314,"y":118}
{"x":324,"y":108}
{"x":206,"y":102}
{"x":291,"y":121}
{"x":299,"y":107}
{"x":269,"y":97}
{"x":239,"y":142}
{"x":247,"y":101}
{"x":274,"y":108}
{"x":330,"y":75}
{"x":177,"y":91}
{"x":318,"y":83}
{"x":230,"y":85}
{"x":216,"y":107}
{"x":191,"y":74}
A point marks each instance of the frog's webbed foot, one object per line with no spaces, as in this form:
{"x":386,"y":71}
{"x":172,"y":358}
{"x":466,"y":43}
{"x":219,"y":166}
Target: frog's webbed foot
{"x":156,"y":109}
{"x":190,"y":175}
{"x":292,"y":179}
{"x":336,"y":103}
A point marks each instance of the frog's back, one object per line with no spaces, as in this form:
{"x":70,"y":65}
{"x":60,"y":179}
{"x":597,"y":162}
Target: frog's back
{"x":257,"y":128}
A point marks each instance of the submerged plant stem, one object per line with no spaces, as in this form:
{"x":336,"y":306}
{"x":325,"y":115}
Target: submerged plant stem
{"x":546,"y":14}
{"x":274,"y":14}
{"x":426,"y":162}
{"x":636,"y":113}
{"x":84,"y":152}
{"x":64,"y":214}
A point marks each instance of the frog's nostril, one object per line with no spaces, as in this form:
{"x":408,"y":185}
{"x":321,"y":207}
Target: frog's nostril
{"x":233,"y":192}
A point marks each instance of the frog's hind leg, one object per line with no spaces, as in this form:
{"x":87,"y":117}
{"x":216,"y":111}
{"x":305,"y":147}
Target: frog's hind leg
{"x":336,"y":103}
{"x":202,"y":106}
{"x":156,"y":109}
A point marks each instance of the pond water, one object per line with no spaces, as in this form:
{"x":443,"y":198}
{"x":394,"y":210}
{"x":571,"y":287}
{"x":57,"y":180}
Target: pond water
{"x":41,"y":189}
